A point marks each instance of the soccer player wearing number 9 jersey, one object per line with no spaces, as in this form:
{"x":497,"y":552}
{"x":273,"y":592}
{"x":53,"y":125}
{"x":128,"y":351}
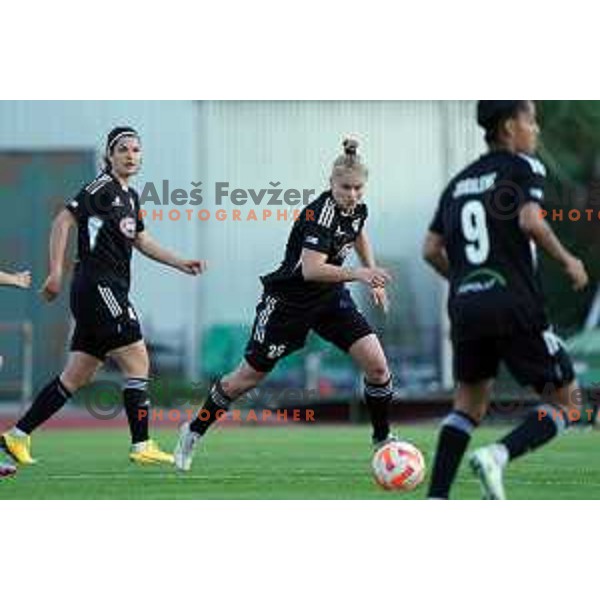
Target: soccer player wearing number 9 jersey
{"x":483,"y":239}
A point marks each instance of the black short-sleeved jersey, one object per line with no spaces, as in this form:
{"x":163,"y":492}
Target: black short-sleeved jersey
{"x":108,"y":221}
{"x":495,"y":287}
{"x":322,"y":226}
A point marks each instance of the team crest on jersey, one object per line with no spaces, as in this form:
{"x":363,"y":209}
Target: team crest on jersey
{"x":356,"y":225}
{"x":117,"y":202}
{"x":127,"y":227}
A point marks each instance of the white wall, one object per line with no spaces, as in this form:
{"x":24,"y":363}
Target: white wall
{"x":411,"y":149}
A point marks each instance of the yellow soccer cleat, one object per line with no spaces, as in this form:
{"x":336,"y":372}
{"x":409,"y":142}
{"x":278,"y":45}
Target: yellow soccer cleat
{"x":148,"y":453}
{"x":18,"y":446}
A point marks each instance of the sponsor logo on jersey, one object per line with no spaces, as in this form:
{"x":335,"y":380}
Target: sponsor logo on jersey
{"x":117,"y":202}
{"x":481,"y":280}
{"x":127,"y":227}
{"x":311,"y":239}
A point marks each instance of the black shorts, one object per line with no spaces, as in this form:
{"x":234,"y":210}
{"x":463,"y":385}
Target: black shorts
{"x":534,"y":359}
{"x":104,"y":318}
{"x":281,"y":328}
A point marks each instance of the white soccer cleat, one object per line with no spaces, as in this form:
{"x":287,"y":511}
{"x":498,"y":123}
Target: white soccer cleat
{"x":184,"y":450}
{"x":486,"y":464}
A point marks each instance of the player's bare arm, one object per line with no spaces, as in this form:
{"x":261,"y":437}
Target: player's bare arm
{"x":150,"y":248}
{"x":21,"y":279}
{"x":364,"y":251}
{"x":59,"y":236}
{"x":434,"y":253}
{"x":541,"y":233}
{"x":315,"y":268}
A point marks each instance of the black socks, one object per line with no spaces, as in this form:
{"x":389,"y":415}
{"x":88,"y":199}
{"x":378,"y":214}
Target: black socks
{"x":377,"y":399}
{"x":135,"y":399}
{"x":216,"y":405}
{"x":453,"y":440}
{"x":48,"y":402}
{"x":539,"y":427}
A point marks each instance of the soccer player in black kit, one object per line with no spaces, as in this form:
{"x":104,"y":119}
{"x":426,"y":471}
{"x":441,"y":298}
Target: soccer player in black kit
{"x":483,"y":239}
{"x":306,"y":293}
{"x":106,"y":213}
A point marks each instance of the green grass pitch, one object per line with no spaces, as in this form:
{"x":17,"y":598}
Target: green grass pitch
{"x":322,"y":462}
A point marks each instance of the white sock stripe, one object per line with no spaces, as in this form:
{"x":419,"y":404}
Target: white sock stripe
{"x":218,"y":398}
{"x":379,"y":391}
{"x":63,"y":391}
{"x":136,"y":383}
{"x":458,"y":421}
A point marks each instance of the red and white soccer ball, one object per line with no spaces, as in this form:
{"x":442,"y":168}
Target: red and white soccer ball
{"x":398,"y":466}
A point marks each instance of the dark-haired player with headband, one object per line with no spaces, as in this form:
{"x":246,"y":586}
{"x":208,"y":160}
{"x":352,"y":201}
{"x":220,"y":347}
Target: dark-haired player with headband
{"x":307,"y":292}
{"x":483,"y":239}
{"x":106,"y":213}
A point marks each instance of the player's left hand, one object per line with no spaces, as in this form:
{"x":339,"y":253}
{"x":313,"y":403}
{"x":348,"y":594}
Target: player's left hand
{"x":51,"y":288}
{"x":193,"y":267}
{"x":379,"y":296}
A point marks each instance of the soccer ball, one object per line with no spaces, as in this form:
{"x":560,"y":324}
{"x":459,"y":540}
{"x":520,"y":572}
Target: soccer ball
{"x":398,"y":466}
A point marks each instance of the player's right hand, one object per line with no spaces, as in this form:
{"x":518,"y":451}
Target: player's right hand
{"x":51,"y":288}
{"x":577,"y":273}
{"x":22,"y":279}
{"x":193,"y":267}
{"x":380,"y":299}
{"x":373,"y":276}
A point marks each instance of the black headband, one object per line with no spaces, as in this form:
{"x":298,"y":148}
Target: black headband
{"x":118,"y":133}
